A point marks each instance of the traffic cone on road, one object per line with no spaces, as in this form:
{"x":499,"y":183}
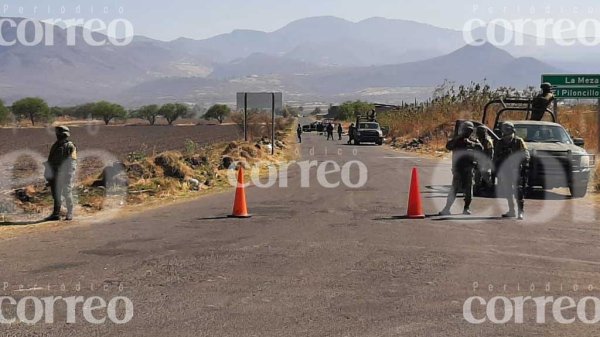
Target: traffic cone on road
{"x":240,"y":210}
{"x":415,"y":206}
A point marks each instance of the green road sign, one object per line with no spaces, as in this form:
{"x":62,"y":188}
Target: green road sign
{"x":577,"y":92}
{"x":562,"y":80}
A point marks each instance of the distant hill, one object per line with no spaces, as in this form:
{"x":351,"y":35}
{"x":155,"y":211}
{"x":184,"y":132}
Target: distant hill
{"x":262,"y":64}
{"x":469,"y":63}
{"x":321,"y":58}
{"x":72,"y":74}
{"x":329,"y":40}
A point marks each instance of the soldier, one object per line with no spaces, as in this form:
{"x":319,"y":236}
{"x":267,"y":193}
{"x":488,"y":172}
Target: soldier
{"x":541,"y":102}
{"x":60,"y":170}
{"x":512,"y":159}
{"x":463,"y":164}
{"x":483,"y":174}
{"x":373,"y":116}
{"x":299,"y":132}
{"x":340,"y":131}
{"x":351,"y":131}
{"x":330,"y":131}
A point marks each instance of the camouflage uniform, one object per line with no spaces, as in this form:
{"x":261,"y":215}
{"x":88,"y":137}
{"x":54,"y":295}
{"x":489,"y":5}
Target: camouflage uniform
{"x":541,"y":102}
{"x":463,"y":164}
{"x":62,"y":163}
{"x":483,"y":174}
{"x":512,"y":160}
{"x":351,"y":131}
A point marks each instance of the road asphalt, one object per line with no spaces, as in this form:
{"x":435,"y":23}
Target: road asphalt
{"x":314,"y":261}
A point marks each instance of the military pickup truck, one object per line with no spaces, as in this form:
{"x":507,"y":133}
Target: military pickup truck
{"x":557,"y":159}
{"x":368,"y":131}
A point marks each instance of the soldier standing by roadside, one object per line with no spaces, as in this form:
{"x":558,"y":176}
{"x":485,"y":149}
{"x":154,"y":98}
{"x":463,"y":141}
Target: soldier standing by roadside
{"x":60,"y":171}
{"x":463,"y":165}
{"x":351,"y":131}
{"x":299,"y":132}
{"x":329,"y":131}
{"x":340,"y":130}
{"x":541,"y":102}
{"x":512,"y":159}
{"x":483,"y":174}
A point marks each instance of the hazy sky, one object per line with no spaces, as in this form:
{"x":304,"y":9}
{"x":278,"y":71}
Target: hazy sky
{"x":204,"y":18}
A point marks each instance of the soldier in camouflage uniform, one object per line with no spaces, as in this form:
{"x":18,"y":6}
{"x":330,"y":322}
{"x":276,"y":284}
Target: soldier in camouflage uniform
{"x":512,"y":159}
{"x":463,"y":165}
{"x":483,"y":174}
{"x":541,"y":102}
{"x":60,"y":171}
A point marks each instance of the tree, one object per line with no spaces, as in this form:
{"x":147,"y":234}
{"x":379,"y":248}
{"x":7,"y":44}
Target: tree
{"x":108,"y":111}
{"x":173,"y":111}
{"x":349,"y":110}
{"x":82,"y":111}
{"x":218,"y":112}
{"x":33,"y":108}
{"x":4,"y":113}
{"x":149,"y":113}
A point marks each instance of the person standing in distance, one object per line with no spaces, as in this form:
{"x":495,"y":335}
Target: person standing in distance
{"x":299,"y":132}
{"x":330,"y":131}
{"x":351,"y":131}
{"x":60,"y":171}
{"x":340,"y":130}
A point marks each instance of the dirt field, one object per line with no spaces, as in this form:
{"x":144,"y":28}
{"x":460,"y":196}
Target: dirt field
{"x":118,"y":140}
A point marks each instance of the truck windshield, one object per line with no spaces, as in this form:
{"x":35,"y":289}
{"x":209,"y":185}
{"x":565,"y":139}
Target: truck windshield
{"x":543,"y":134}
{"x":373,"y":126}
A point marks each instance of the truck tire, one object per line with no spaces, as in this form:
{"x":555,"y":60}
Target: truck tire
{"x":578,"y":190}
{"x":380,"y":142}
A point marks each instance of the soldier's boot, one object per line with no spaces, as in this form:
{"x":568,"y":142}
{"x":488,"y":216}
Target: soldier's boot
{"x":467,"y":209}
{"x":55,"y":216}
{"x":69,"y":201}
{"x":521,"y":213}
{"x":511,"y":208}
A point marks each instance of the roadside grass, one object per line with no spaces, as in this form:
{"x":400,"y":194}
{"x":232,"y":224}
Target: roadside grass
{"x":166,"y":176}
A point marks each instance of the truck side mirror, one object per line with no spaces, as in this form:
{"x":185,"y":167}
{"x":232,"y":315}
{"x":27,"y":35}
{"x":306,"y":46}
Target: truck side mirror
{"x":579,"y":142}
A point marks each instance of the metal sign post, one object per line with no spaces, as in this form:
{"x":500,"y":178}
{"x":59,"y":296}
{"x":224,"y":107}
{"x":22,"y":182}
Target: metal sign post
{"x":272,"y":123}
{"x":245,"y":116}
{"x":262,"y":101}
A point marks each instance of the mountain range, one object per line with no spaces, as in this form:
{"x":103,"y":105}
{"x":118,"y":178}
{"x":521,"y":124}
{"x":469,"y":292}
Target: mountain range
{"x":323,"y":59}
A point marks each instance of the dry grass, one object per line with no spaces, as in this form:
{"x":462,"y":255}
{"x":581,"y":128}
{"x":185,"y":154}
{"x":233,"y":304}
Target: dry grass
{"x":433,"y":122}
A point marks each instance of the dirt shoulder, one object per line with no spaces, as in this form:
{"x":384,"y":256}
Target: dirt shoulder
{"x":149,"y":182}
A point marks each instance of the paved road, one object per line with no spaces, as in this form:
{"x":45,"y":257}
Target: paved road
{"x":314,"y":261}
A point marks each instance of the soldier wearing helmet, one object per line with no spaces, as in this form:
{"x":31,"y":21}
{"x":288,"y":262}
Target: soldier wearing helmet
{"x":483,"y":173}
{"x":463,"y":164}
{"x":512,"y":160}
{"x":541,"y":102}
{"x":60,"y":170}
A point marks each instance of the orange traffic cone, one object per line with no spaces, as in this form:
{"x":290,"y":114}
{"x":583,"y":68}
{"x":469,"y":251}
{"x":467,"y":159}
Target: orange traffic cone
{"x":239,"y":205}
{"x":415,"y":207}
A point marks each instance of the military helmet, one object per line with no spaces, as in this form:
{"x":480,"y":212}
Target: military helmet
{"x":466,"y":127}
{"x":508,"y":128}
{"x":63,"y":130}
{"x":546,"y":86}
{"x":481,"y":129}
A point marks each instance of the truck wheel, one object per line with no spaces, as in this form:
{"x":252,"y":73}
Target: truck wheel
{"x":379,"y":142}
{"x":578,"y":191}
